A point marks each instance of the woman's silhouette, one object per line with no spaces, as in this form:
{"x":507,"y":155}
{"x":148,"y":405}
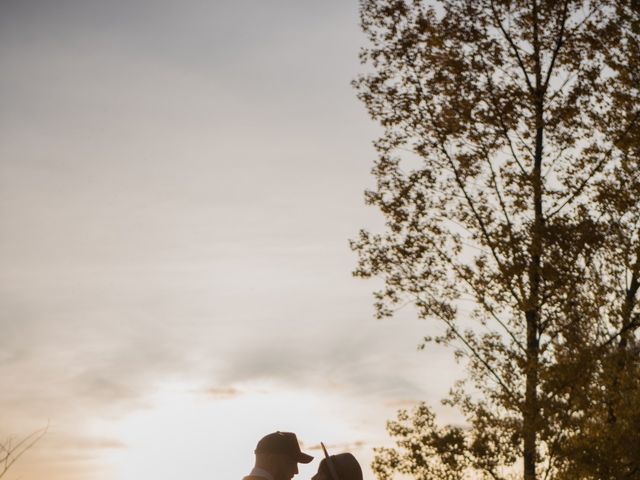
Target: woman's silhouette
{"x":343,"y":466}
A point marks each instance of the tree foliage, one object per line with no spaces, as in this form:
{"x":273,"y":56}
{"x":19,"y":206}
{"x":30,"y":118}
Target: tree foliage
{"x":425,"y":450}
{"x":509,"y":177}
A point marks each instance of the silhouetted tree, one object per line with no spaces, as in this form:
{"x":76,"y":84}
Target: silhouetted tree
{"x":509,"y":177}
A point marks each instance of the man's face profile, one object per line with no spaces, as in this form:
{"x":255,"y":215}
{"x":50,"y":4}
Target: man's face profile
{"x":286,"y":467}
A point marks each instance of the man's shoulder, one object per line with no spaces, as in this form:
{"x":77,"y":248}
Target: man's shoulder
{"x":253,"y":477}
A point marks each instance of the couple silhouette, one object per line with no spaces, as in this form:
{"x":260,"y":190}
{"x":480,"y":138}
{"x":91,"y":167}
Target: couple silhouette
{"x":278,"y":455}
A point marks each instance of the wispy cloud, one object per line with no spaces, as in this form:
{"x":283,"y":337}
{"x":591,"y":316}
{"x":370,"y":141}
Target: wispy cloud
{"x":333,"y":448}
{"x":221,"y":392}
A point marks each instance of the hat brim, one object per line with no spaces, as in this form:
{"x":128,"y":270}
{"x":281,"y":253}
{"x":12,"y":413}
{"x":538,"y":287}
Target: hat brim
{"x":304,"y":458}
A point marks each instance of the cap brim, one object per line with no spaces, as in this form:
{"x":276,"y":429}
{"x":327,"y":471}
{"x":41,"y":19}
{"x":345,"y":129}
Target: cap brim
{"x":304,"y":458}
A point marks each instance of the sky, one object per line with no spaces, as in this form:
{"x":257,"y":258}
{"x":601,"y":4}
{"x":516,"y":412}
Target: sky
{"x":178,"y":185}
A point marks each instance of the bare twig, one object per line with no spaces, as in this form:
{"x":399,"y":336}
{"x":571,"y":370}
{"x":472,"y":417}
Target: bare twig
{"x":14,"y":452}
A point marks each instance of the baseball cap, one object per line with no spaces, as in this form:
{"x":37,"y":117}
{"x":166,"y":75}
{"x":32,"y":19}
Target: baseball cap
{"x":284,"y":443}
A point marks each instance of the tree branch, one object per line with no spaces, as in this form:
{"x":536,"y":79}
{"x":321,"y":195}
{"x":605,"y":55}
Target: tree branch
{"x":13,"y":453}
{"x":513,"y":46}
{"x":572,"y":197}
{"x":556,"y":50}
{"x":470,"y":348}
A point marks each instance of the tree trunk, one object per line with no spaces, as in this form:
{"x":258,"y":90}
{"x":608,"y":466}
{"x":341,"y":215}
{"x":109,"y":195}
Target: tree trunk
{"x":626,"y":334}
{"x":530,"y":413}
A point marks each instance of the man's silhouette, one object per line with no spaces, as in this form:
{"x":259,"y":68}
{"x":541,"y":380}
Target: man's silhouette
{"x":277,"y":457}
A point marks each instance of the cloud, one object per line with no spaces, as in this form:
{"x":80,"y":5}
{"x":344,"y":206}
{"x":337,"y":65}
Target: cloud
{"x":221,"y":392}
{"x":340,"y":447}
{"x":80,"y":443}
{"x":402,"y":403}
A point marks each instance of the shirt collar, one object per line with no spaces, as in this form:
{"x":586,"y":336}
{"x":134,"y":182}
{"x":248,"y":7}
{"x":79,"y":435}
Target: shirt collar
{"x":261,"y":472}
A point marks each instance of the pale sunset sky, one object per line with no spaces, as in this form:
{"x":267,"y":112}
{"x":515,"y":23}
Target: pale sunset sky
{"x":178,"y":184}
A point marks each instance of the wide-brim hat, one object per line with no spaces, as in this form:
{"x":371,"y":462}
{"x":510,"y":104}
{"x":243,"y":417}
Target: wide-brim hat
{"x":342,"y":466}
{"x":283,"y":443}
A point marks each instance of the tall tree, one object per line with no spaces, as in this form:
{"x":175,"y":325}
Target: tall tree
{"x":509,"y":176}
